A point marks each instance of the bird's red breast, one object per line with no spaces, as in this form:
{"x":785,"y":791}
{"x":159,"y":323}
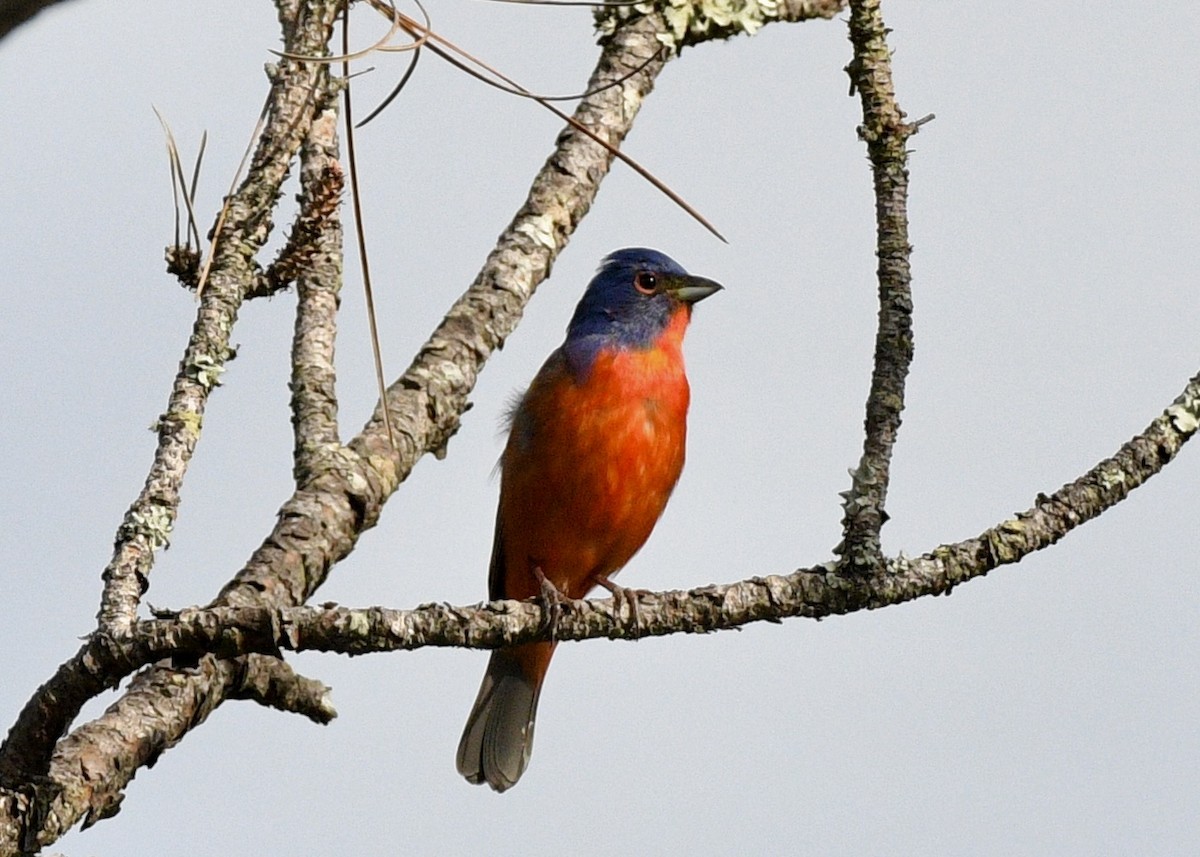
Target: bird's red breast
{"x":590,"y":464}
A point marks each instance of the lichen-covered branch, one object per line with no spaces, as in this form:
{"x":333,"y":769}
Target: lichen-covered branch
{"x":317,"y":239}
{"x":691,"y":22}
{"x":886,"y":135}
{"x":26,"y":752}
{"x":148,"y":523}
{"x":1080,"y":501}
{"x":817,"y":592}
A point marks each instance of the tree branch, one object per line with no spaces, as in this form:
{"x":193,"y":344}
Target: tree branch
{"x":148,"y":523}
{"x":92,"y":765}
{"x":886,"y":135}
{"x":318,"y":288}
{"x":815,"y":592}
{"x":691,"y":23}
{"x":26,"y":752}
{"x":271,"y":682}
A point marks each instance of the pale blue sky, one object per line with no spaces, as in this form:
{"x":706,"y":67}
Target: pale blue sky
{"x":1051,"y":708}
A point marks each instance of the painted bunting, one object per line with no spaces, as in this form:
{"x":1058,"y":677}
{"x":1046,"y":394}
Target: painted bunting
{"x":595,"y":447}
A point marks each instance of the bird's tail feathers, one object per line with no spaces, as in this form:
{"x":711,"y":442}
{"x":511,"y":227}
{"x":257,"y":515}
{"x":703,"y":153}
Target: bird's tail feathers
{"x":498,"y":737}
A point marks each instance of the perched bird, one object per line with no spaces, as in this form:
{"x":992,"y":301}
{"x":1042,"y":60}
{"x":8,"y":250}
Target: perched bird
{"x":595,"y":447}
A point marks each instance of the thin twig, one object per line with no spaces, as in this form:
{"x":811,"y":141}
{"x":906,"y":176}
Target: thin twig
{"x":361,"y":236}
{"x":177,"y":181}
{"x":237,"y":176}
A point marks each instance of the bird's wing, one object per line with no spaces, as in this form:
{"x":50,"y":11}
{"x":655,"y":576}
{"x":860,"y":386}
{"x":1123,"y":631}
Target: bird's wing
{"x":496,"y":570}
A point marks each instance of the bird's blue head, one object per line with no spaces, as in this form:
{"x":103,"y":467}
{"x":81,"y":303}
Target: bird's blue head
{"x":630,"y":302}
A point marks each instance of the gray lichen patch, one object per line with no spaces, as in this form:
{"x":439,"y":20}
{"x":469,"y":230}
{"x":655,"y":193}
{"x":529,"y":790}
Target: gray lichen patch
{"x":693,"y":21}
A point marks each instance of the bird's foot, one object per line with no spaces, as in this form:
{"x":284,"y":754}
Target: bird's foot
{"x":552,"y":602}
{"x":623,"y":596}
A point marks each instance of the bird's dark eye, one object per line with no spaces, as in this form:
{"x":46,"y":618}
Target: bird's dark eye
{"x":645,"y":282}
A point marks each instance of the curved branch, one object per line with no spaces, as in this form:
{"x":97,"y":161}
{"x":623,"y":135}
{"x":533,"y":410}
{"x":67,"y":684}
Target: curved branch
{"x":1052,"y":517}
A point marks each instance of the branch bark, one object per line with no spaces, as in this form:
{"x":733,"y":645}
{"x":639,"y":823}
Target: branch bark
{"x":318,"y":242}
{"x":886,"y":135}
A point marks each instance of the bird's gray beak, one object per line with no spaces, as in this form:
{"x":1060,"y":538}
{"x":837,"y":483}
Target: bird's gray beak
{"x":690,"y":290}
